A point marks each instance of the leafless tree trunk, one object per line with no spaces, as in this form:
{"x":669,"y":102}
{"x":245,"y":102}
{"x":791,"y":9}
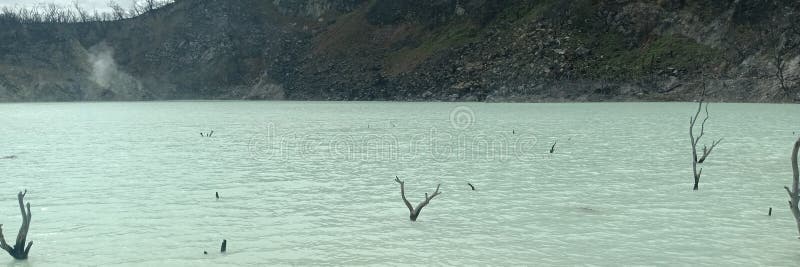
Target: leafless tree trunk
{"x":696,"y":140}
{"x":150,"y":5}
{"x":58,"y":14}
{"x":414,"y":212}
{"x":83,"y":15}
{"x":116,"y":10}
{"x":794,"y":193}
{"x":51,"y":13}
{"x":17,"y":251}
{"x":135,"y":9}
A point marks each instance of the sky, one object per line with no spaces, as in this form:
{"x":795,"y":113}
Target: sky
{"x":100,"y":5}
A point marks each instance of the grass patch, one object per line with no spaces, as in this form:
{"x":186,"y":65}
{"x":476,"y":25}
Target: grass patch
{"x":350,"y":32}
{"x":662,"y":52}
{"x":525,"y":11}
{"x":457,"y":32}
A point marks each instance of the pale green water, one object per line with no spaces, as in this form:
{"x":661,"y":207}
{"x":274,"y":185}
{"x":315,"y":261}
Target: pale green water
{"x":311,"y":183}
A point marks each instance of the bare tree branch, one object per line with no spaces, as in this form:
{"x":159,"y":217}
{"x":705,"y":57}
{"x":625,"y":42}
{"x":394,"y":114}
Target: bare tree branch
{"x":703,"y":126}
{"x":82,"y":14}
{"x":135,"y":9}
{"x":414,"y":212}
{"x":794,"y":198}
{"x":19,"y":251}
{"x":403,"y":194}
{"x":695,"y":140}
{"x":3,"y":243}
{"x":74,"y":13}
{"x":150,"y":5}
{"x":428,"y":199}
{"x":116,"y":10}
{"x":707,"y":151}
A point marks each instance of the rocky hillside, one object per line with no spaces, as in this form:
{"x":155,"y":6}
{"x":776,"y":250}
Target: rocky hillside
{"x":414,"y":50}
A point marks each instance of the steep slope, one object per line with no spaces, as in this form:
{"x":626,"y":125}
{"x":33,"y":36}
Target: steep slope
{"x":455,"y":50}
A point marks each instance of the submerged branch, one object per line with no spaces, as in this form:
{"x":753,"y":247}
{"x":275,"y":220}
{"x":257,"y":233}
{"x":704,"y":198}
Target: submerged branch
{"x":794,"y":198}
{"x":707,"y":151}
{"x":414,"y":212}
{"x":20,"y":250}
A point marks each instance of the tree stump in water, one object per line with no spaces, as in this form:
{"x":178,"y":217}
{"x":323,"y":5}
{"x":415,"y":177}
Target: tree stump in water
{"x":19,"y":251}
{"x":794,"y":192}
{"x":415,"y":211}
{"x":695,"y":140}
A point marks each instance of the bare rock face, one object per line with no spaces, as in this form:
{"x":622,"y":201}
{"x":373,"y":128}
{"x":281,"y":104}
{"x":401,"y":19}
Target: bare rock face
{"x":451,"y":50}
{"x":315,"y":8}
{"x":266,"y":89}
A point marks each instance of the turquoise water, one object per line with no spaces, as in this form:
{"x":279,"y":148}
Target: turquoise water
{"x":311,"y":183}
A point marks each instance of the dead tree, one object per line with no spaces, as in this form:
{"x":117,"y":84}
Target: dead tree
{"x":19,"y":251}
{"x":83,"y":15}
{"x":414,"y":212}
{"x":135,"y":9}
{"x":150,"y":5}
{"x":696,"y":140}
{"x":116,"y":10}
{"x":794,"y":193}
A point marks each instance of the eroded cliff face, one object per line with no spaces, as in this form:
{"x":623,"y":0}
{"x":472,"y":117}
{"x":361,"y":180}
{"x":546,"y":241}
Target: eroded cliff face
{"x":315,"y":8}
{"x":187,"y":50}
{"x":453,"y":50}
